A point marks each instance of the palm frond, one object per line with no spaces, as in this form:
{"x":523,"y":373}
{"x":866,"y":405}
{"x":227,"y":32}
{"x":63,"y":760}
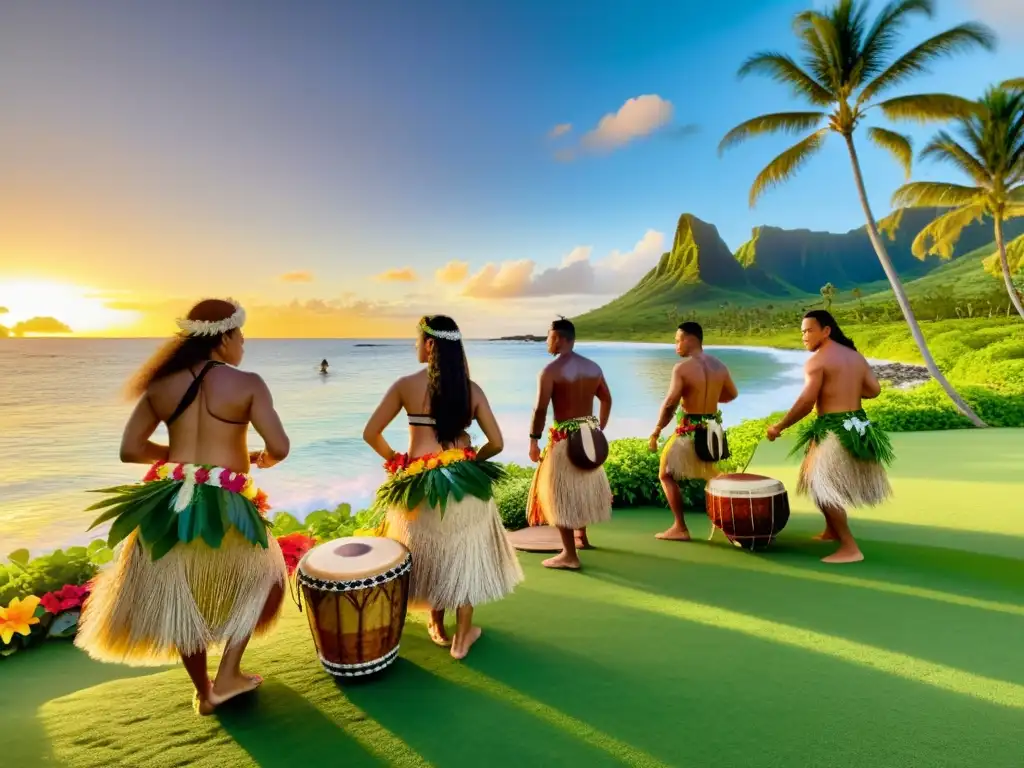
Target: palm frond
{"x":784,"y":69}
{"x":890,"y":224}
{"x":927,"y":107}
{"x":1017,"y":195}
{"x":785,"y":165}
{"x":940,"y":237}
{"x":959,"y":39}
{"x":882,"y":35}
{"x":1013,"y":211}
{"x":896,"y":144}
{"x":1016,"y":84}
{"x":820,"y":34}
{"x":779,"y":122}
{"x":946,"y":149}
{"x":936,"y":194}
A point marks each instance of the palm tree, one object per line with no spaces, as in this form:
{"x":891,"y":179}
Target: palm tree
{"x":847,"y":65}
{"x":992,"y":157}
{"x":828,"y":292}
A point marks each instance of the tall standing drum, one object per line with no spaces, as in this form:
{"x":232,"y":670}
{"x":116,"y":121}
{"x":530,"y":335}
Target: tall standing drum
{"x":751,"y":510}
{"x":356,"y":591}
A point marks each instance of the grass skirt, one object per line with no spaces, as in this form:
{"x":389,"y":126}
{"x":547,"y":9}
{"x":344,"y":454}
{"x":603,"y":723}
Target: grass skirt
{"x":565,"y":496}
{"x":462,"y":558}
{"x":833,"y":477}
{"x":679,"y":460}
{"x":143,"y":613}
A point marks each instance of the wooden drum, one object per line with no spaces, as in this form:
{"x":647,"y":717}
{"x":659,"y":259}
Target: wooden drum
{"x":356,"y":591}
{"x":751,"y":510}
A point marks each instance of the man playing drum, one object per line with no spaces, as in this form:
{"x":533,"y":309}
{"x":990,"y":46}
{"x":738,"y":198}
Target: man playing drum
{"x":699,"y":383}
{"x":563,"y":494}
{"x":845,"y":454}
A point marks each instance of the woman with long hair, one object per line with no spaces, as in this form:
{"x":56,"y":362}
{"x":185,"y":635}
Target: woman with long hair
{"x":196,"y":566}
{"x":438,"y":500}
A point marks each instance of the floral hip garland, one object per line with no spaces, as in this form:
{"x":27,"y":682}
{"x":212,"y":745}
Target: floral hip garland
{"x":862,"y":439}
{"x":688,"y":423}
{"x":434,"y":478}
{"x":182,"y":503}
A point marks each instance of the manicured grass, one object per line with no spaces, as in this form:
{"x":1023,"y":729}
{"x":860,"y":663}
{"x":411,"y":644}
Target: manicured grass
{"x":657,"y":654}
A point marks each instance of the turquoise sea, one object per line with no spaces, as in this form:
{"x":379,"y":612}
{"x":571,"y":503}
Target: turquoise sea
{"x":62,"y":411}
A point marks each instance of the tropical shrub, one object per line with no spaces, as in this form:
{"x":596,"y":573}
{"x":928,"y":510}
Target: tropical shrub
{"x":511,"y":496}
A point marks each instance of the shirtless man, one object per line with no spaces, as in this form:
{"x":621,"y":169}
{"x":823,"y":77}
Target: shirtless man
{"x":845,"y":458}
{"x":173,"y":593}
{"x":563,"y":495}
{"x":698,"y":384}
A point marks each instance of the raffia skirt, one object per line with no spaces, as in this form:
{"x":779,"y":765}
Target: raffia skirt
{"x":679,"y":460}
{"x":463,"y":558}
{"x":833,"y":477}
{"x":144,"y":613}
{"x":565,"y":496}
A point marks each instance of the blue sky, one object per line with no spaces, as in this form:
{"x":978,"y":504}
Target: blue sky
{"x":233,"y":143}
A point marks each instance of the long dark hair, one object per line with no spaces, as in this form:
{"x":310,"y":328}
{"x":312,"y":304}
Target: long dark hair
{"x":448,"y":384}
{"x":182,"y":351}
{"x":825,"y":320}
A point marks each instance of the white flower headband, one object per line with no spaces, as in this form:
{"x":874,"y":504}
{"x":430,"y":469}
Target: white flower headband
{"x":213,"y":327}
{"x":446,"y":335}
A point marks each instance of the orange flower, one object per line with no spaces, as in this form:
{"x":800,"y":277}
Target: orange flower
{"x":18,"y":618}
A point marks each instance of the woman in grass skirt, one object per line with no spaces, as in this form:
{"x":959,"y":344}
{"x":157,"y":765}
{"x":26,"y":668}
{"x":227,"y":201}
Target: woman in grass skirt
{"x":197,"y":567}
{"x":438,"y":500}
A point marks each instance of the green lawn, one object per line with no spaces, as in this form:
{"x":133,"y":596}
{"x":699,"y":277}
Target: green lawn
{"x":657,"y":654}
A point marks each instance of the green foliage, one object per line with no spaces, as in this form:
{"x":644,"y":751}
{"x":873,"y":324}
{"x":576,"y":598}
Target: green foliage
{"x":511,"y":496}
{"x":323,"y":524}
{"x":23,"y":576}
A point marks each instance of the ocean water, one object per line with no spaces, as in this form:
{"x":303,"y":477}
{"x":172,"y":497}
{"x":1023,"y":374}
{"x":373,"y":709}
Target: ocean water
{"x":62,"y":411}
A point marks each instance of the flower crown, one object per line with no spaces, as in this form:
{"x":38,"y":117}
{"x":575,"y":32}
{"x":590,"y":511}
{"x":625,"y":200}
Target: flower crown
{"x":446,"y":335}
{"x":213,"y":327}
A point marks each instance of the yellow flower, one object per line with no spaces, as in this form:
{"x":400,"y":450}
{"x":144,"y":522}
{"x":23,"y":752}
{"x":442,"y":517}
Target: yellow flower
{"x":433,"y":463}
{"x":163,"y":471}
{"x":18,"y":618}
{"x":415,"y":468}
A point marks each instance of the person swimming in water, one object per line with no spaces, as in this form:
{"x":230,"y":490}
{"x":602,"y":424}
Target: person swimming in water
{"x":323,"y":366}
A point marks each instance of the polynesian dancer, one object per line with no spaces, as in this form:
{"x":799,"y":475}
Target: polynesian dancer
{"x":438,"y":499}
{"x":562,"y":494}
{"x":845,"y":454}
{"x":699,"y":384}
{"x":196,"y":567}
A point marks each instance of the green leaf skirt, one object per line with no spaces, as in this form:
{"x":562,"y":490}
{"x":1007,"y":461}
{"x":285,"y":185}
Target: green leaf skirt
{"x":861,"y":439}
{"x":209,"y":513}
{"x":435,"y":486}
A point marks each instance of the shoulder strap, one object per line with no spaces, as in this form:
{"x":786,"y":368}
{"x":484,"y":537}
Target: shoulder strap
{"x":192,"y":392}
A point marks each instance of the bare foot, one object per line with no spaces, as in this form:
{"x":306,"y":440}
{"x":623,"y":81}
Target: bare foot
{"x":827,"y":535}
{"x":461,"y":645}
{"x":562,"y":562}
{"x":438,"y":635}
{"x":675,"y":533}
{"x":226,"y":690}
{"x":584,"y":543}
{"x":845,"y":555}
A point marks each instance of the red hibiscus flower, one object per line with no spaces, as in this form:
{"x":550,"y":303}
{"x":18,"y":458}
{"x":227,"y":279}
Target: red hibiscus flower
{"x":397,"y":462}
{"x":293,"y":547}
{"x":152,"y":475}
{"x":66,"y":598}
{"x":202,"y":475}
{"x":179,"y":472}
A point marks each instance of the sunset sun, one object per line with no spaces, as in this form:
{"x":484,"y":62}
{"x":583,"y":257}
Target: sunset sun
{"x":37,"y":304}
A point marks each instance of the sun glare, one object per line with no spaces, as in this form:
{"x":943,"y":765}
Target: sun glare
{"x":78,"y":308}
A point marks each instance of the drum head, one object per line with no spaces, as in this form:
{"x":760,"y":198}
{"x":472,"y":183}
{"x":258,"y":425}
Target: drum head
{"x":744,"y":485}
{"x":353,"y":557}
{"x":588,"y":448}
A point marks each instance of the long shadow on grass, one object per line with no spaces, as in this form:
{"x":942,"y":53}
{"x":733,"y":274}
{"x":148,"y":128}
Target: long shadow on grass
{"x":696,"y":695}
{"x":963,"y":637}
{"x":30,"y":679}
{"x":452,"y":725}
{"x":282,"y":728}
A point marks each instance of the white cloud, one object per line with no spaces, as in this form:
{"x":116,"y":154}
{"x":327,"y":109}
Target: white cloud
{"x":560,"y":130}
{"x":1007,"y":16}
{"x":577,"y":275}
{"x":638,"y":117}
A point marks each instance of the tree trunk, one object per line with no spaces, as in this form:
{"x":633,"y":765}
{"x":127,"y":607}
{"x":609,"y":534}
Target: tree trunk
{"x":901,"y":296}
{"x":1005,"y":264}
